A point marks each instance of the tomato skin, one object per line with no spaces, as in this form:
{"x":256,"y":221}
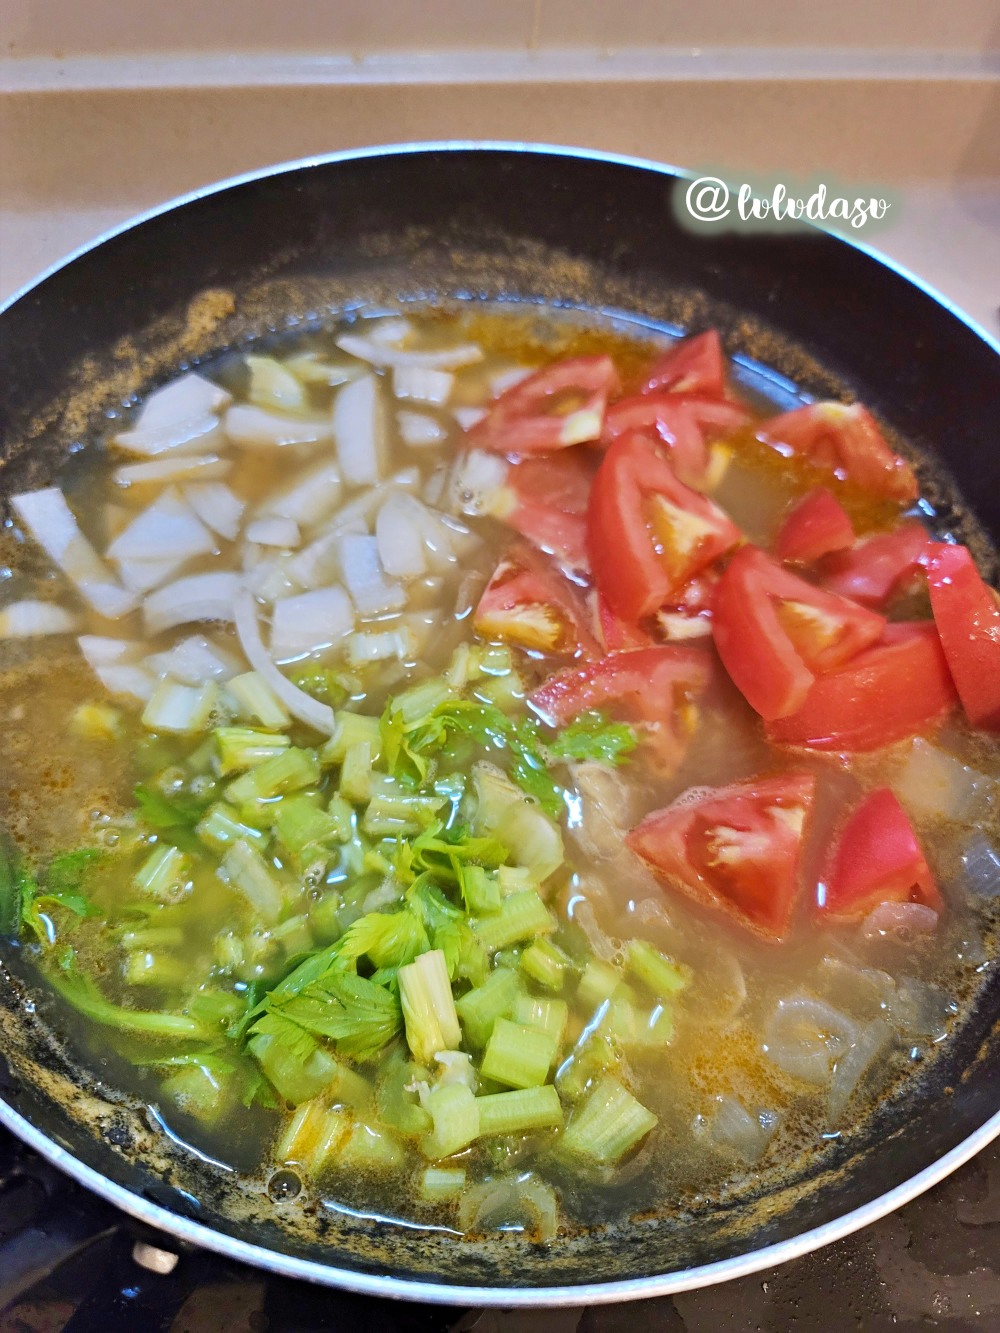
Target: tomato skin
{"x":549,"y":498}
{"x":696,"y":365}
{"x":520,"y":424}
{"x":530,"y":604}
{"x":681,"y":421}
{"x":877,"y":859}
{"x":968,"y":620}
{"x":772,"y":670}
{"x":735,"y":848}
{"x":815,"y":527}
{"x":846,"y":440}
{"x":616,"y":634}
{"x":875,"y":568}
{"x":888,"y":692}
{"x":631,"y":575}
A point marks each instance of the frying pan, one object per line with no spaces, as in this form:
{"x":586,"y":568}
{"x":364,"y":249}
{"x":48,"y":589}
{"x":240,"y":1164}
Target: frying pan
{"x":275,"y":251}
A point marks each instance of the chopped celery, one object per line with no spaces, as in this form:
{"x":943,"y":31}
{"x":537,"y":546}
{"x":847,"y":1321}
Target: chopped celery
{"x":369,"y":1149}
{"x":547,"y":1014}
{"x":323,"y":683}
{"x":257,"y":700}
{"x":518,"y":1056}
{"x":314,"y":1135}
{"x":342,"y":814}
{"x":291,"y":770}
{"x":151,"y":937}
{"x":455,"y":1119}
{"x":221,"y":826}
{"x":630,"y":1026}
{"x":228,"y":951}
{"x":414,"y":704}
{"x":324,"y":917}
{"x":180,"y":709}
{"x":439,"y":1184}
{"x":655,"y":970}
{"x":296,"y":1079}
{"x":506,"y":692}
{"x":300,"y":826}
{"x":428,"y":1007}
{"x":594,"y":1053}
{"x":97,"y":722}
{"x":164,"y":875}
{"x":608,"y":1124}
{"x":514,"y":879}
{"x":480,"y":890}
{"x":479,"y":1009}
{"x":246,"y":870}
{"x":520,"y":1112}
{"x":240,"y":748}
{"x":522,"y":916}
{"x":598,"y":983}
{"x":492,"y":660}
{"x":199,"y":1090}
{"x":294,"y":936}
{"x":356,"y":773}
{"x":397,"y":811}
{"x":545,"y":963}
{"x":143,"y":967}
{"x":397,"y":1104}
{"x":352,"y":729}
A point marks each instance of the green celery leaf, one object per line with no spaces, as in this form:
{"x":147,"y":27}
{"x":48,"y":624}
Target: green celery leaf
{"x":389,"y":939}
{"x":593,"y":736}
{"x":355,"y":1013}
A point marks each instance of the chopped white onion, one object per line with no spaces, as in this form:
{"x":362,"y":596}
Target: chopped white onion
{"x":273,"y":386}
{"x":197,"y":597}
{"x":900,"y":920}
{"x":605,"y":811}
{"x":186,"y":467}
{"x":358,"y":428}
{"x":31,"y":618}
{"x":522,"y":1203}
{"x":131,"y":681}
{"x":199,"y":435}
{"x":256,"y":428}
{"x":581,"y":910}
{"x":380,"y":646}
{"x":676,"y":626}
{"x":422,"y":384}
{"x":934,"y":784}
{"x":506,"y":379}
{"x":168,"y":529}
{"x":193,"y":661}
{"x":309,"y":622}
{"x":184,"y":399}
{"x":731,"y":1127}
{"x":274,"y":531}
{"x":50,"y":521}
{"x":419,"y":430}
{"x":919,"y":1010}
{"x":399,"y":538}
{"x":379,"y":353}
{"x":143,"y":576}
{"x":99,"y":651}
{"x":389,"y":330}
{"x":477,"y":484}
{"x":805,"y":1037}
{"x":217,"y":507}
{"x":308,"y":368}
{"x":467,"y":417}
{"x":310,"y":499}
{"x":981,"y":867}
{"x":268,"y":578}
{"x":872,"y":1042}
{"x":180,"y":709}
{"x":371,"y":592}
{"x":299,"y":704}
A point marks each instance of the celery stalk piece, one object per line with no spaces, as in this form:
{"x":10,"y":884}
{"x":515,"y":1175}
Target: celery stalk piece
{"x":256,"y":699}
{"x":144,"y":967}
{"x":546,"y":1014}
{"x":198,"y":1090}
{"x":505,"y":692}
{"x":480,"y":890}
{"x":180,"y":709}
{"x":301,"y":826}
{"x":418,"y":701}
{"x":240,"y":748}
{"x":291,"y":770}
{"x":295,"y":1079}
{"x":633,"y":1027}
{"x":594,"y":1053}
{"x":522,"y":916}
{"x":520,"y":1112}
{"x":598,"y":983}
{"x":342,"y":814}
{"x":334,"y":1133}
{"x":356,"y":773}
{"x":655,"y":970}
{"x":221,"y":826}
{"x":608,"y":1124}
{"x":164,"y":874}
{"x":246,"y":870}
{"x":428,"y":1006}
{"x":545,"y":963}
{"x":480,"y":1008}
{"x":352,"y":729}
{"x":314,"y":1136}
{"x":397,"y":811}
{"x":396,"y":1101}
{"x":455,"y":1118}
{"x":440,"y":1184}
{"x":518,"y":1056}
{"x":368,"y":1149}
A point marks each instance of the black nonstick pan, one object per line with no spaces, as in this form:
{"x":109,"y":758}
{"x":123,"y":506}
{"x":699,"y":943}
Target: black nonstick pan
{"x":455,"y":221}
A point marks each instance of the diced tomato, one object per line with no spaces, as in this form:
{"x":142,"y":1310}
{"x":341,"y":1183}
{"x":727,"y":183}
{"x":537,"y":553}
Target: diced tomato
{"x":616,"y":634}
{"x":562,"y":405}
{"x":651,"y":687}
{"x":735,"y":848}
{"x":846,"y":440}
{"x":875,"y":568}
{"x":696,"y":365}
{"x":817,"y":525}
{"x":682,"y":421}
{"x":775,"y":632}
{"x":530,"y":604}
{"x":647,"y":533}
{"x":548,"y":499}
{"x":967,"y":616}
{"x":877,"y":859}
{"x":886,"y":693}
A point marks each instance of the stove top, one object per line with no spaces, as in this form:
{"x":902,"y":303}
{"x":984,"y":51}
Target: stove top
{"x":69,"y":1261}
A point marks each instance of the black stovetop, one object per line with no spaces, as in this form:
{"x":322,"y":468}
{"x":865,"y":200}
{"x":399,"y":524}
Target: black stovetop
{"x":67,"y":1262}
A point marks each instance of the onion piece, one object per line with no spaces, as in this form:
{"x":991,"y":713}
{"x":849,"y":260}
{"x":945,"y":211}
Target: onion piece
{"x":524,"y":1203}
{"x":311,"y":497}
{"x":371,"y":592}
{"x":193,"y":661}
{"x":186,"y":467}
{"x":399,"y":538}
{"x":422,"y":384}
{"x":274,"y":531}
{"x":805,"y":1037}
{"x":308,"y":368}
{"x":317,"y":715}
{"x":478,"y":484}
{"x":99,"y":651}
{"x":467,"y":417}
{"x":179,"y":709}
{"x":731,"y":1127}
{"x":144,"y":575}
{"x":309,"y":622}
{"x":919,"y":1010}
{"x":132,"y":681}
{"x":368,"y":646}
{"x":506,"y":379}
{"x":419,"y":431}
{"x":168,"y":529}
{"x":934,"y":784}
{"x":256,"y":428}
{"x":900,"y":920}
{"x":389,"y":330}
{"x":197,"y":597}
{"x":980,"y":861}
{"x":268,"y":579}
{"x":32,"y":619}
{"x":676,"y":626}
{"x":379,"y":353}
{"x":217,"y":507}
{"x":184,"y":399}
{"x":358,"y":428}
{"x":197,"y":435}
{"x":872,"y":1042}
{"x":273,"y":386}
{"x":51,"y":523}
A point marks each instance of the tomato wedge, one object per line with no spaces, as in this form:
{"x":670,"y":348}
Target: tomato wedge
{"x":967,"y":616}
{"x":531,"y":605}
{"x":616,"y":634}
{"x":817,"y":525}
{"x":554,"y":408}
{"x":877,"y":859}
{"x":682,"y":421}
{"x":647,"y":533}
{"x":548,"y":499}
{"x":878,"y":566}
{"x":888,"y":692}
{"x":651,"y":687}
{"x":734,"y":848}
{"x":696,"y":365}
{"x":846,"y":440}
{"x":775,"y":632}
